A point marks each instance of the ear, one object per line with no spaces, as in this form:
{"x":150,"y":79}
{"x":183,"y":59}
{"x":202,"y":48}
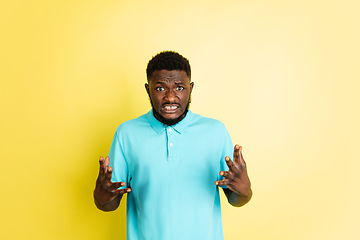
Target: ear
{"x":147,"y":88}
{"x":191,"y":87}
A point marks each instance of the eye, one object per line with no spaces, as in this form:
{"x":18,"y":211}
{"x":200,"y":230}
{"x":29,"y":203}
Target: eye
{"x":159,"y":89}
{"x":179,"y":88}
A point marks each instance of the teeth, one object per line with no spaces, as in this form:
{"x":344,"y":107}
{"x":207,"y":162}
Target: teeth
{"x":170,"y":107}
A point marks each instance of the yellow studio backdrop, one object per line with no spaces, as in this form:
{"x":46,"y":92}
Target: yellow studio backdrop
{"x":282,"y":75}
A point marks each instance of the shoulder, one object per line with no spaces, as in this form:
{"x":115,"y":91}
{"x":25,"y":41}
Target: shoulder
{"x":133,"y":124}
{"x":210,"y":124}
{"x":200,"y":120}
{"x":210,"y":130}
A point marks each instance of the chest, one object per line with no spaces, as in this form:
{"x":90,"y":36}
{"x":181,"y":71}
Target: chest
{"x":172,"y":157}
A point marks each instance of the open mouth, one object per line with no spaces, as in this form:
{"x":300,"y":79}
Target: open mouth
{"x":170,"y":108}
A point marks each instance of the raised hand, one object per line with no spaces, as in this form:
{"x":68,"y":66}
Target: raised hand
{"x":107,"y":194}
{"x":236,"y":178}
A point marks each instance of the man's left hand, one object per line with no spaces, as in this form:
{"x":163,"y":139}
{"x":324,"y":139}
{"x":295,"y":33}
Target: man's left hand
{"x":236,"y":178}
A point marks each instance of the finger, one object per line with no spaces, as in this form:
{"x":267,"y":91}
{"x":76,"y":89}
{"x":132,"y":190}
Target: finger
{"x":236,"y":154}
{"x":107,"y":161}
{"x":116,"y":185}
{"x":102,"y":167}
{"x":227,"y":175}
{"x":108,"y":174}
{"x":242,"y":161}
{"x":122,"y":191}
{"x":222,"y":182}
{"x":230,"y":164}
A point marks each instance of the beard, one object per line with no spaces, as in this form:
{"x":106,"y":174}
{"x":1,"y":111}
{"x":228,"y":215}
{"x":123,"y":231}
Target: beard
{"x":170,"y":122}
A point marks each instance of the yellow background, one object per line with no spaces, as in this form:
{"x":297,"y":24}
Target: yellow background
{"x":282,"y":75}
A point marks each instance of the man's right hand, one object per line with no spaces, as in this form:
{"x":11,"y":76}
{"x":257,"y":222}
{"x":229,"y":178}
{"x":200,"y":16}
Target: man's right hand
{"x":107,"y":194}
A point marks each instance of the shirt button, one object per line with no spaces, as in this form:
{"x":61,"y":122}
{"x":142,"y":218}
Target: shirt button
{"x":171,"y":144}
{"x":170,"y":129}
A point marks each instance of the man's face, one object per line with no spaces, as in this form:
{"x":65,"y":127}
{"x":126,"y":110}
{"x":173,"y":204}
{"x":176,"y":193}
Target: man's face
{"x":169,"y":93}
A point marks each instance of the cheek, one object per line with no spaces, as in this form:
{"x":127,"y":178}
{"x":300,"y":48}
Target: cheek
{"x":185,"y":96}
{"x":155,"y":98}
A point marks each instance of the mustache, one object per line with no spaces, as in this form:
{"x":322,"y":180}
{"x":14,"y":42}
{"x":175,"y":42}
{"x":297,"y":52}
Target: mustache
{"x":171,"y":103}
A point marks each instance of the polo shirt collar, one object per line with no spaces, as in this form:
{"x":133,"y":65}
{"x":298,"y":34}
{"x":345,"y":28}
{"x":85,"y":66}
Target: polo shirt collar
{"x":159,"y":127}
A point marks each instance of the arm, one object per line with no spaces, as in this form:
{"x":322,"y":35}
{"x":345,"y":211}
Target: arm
{"x":107,"y":196}
{"x":236,"y":179}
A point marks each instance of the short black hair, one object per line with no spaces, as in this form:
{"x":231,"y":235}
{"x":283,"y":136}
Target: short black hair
{"x":168,"y":60}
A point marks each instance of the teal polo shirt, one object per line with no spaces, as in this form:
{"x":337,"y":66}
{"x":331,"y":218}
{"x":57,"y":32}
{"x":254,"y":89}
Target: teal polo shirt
{"x":171,"y":171}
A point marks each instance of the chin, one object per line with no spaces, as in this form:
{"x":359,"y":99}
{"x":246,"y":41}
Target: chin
{"x":170,"y":118}
{"x":170,"y":121}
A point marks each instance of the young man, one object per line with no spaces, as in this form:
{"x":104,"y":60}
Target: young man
{"x":171,"y":161}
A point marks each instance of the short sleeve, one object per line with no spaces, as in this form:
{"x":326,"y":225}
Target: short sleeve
{"x":118,"y":162}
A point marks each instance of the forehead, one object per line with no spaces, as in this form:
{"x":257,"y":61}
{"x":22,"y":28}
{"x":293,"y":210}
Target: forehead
{"x":169,"y":76}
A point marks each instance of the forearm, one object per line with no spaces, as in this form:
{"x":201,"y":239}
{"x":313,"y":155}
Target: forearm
{"x":237,"y":200}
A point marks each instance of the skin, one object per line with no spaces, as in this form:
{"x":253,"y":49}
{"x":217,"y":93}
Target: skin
{"x":169,"y":93}
{"x":236,"y":179}
{"x":107,"y":196}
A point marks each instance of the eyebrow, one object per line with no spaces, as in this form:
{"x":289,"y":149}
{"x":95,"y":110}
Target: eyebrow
{"x":164,"y":82}
{"x":159,"y":82}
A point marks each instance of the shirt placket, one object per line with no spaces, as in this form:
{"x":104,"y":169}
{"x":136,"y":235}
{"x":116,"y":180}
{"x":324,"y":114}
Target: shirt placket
{"x":170,"y":133}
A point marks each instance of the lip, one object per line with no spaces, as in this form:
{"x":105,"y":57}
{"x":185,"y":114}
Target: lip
{"x":170,"y":108}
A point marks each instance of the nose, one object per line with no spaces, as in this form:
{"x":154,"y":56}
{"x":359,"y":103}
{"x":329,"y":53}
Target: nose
{"x":170,"y":96}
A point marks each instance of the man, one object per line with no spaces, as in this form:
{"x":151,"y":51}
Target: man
{"x":171,"y":161}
